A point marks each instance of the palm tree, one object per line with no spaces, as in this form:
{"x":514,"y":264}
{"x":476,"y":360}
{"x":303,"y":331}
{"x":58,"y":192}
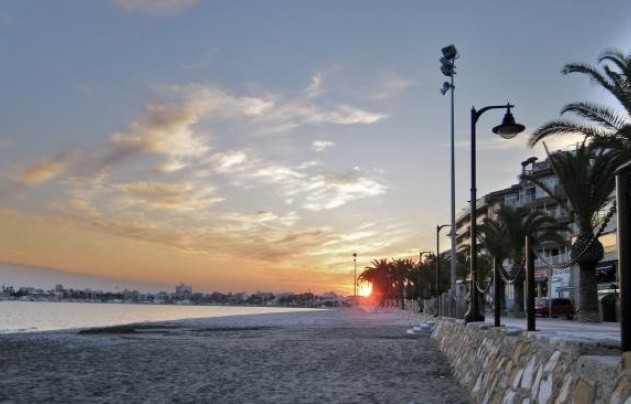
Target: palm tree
{"x":378,"y":275}
{"x":402,"y":269}
{"x":504,"y":236}
{"x":586,"y":176}
{"x":605,"y":126}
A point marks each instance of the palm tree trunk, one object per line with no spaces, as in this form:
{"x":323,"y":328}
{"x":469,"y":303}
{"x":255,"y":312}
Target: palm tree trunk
{"x":587,"y":270}
{"x":589,"y":294}
{"x":519,"y":294}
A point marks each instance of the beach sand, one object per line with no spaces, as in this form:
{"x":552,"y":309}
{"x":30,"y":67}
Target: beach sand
{"x":323,"y":356}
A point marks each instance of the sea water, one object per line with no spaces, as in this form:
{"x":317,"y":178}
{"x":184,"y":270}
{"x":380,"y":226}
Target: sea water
{"x":16,"y":316}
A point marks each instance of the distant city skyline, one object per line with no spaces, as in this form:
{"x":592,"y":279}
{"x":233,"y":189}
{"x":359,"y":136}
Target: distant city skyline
{"x":18,"y":275}
{"x":258,"y":145}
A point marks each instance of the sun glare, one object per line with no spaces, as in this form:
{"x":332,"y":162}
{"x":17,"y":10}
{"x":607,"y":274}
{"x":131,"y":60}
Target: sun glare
{"x":364,"y":289}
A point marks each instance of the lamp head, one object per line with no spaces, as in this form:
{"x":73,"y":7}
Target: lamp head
{"x":508,"y":129}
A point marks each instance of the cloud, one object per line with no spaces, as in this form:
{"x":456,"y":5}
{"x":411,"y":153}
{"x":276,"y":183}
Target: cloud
{"x":391,"y":87}
{"x":42,"y":171}
{"x":315,"y":86}
{"x":171,"y":128}
{"x":271,"y":114}
{"x":341,"y":115}
{"x":317,"y":191}
{"x":79,"y":206}
{"x":175,"y":196}
{"x":262,"y":219}
{"x":328,"y":191}
{"x":225,"y":162}
{"x":321,"y":145}
{"x":154,"y":6}
{"x":168,"y":130}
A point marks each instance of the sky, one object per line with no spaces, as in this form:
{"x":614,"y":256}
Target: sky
{"x":256,"y":145}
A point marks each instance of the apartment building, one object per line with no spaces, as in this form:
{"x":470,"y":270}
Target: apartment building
{"x":549,"y":280}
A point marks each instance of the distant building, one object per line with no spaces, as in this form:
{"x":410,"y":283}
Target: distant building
{"x":183,"y":291}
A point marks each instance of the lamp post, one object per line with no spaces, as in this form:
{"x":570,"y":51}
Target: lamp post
{"x":355,"y":275}
{"x":438,"y":228}
{"x":420,"y":280}
{"x":508,"y":129}
{"x":448,"y":68}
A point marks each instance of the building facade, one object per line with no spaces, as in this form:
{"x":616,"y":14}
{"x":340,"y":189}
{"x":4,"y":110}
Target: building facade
{"x":551,"y":277}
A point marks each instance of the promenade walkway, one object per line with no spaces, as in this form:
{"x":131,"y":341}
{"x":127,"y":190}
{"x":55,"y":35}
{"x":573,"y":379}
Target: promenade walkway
{"x":567,"y":329}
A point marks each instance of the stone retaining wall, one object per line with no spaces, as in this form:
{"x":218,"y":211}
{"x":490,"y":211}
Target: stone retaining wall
{"x":500,"y":365}
{"x":497,"y":365}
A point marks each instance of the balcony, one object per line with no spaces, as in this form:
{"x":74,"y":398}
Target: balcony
{"x":552,"y":259}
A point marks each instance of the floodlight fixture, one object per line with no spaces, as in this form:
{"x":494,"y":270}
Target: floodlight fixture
{"x":446,"y":87}
{"x":450,"y":52}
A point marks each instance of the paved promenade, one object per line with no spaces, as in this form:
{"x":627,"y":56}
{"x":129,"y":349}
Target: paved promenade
{"x":567,"y":329}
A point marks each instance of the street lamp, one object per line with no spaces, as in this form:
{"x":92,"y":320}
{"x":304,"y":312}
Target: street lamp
{"x":508,"y":129}
{"x":420,"y":279}
{"x":438,"y":228}
{"x":355,"y":275}
{"x":448,"y":68}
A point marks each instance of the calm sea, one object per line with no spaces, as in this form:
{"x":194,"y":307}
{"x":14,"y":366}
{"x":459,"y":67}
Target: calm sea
{"x":46,"y":316}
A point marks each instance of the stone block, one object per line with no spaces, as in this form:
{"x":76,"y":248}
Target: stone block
{"x":621,"y":391}
{"x":564,"y":394}
{"x":599,"y":371}
{"x":527,"y":377}
{"x":583,"y":392}
{"x":516,"y":376}
{"x":552,"y":362}
{"x":535,"y":386}
{"x":545,"y":391}
{"x":511,"y":398}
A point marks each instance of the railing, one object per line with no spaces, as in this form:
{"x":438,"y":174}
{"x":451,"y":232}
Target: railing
{"x":552,"y":259}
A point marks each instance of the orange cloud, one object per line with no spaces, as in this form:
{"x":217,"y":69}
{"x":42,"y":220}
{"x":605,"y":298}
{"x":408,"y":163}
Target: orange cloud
{"x":42,"y":171}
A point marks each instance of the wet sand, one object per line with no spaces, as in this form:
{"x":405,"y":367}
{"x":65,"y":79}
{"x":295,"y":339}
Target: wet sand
{"x":328,"y":356}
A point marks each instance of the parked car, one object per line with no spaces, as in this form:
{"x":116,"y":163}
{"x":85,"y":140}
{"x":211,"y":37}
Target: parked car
{"x":561,"y":306}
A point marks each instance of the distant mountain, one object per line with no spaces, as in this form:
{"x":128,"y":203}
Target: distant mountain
{"x":17,"y":275}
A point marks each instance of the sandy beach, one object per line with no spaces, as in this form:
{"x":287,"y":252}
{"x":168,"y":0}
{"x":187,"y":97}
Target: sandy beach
{"x":327,"y":356}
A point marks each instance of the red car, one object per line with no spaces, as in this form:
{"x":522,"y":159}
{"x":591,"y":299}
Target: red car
{"x":561,"y":306}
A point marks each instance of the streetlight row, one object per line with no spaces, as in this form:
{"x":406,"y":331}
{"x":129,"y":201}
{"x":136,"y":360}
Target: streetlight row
{"x":508,"y":129}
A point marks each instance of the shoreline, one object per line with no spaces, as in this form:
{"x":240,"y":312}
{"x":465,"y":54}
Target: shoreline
{"x":29,"y":317}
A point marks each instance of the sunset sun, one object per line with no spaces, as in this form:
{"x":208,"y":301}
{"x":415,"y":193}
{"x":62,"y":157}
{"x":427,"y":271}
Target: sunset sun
{"x":364,"y":289}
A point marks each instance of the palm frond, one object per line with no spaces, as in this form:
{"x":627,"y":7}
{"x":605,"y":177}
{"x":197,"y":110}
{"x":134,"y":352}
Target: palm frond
{"x":605,"y":116}
{"x":565,"y":127}
{"x":591,"y":71}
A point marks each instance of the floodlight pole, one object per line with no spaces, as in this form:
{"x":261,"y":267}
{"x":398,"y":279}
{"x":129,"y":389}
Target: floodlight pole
{"x":354,"y":274}
{"x":450,"y":54}
{"x":438,"y":228}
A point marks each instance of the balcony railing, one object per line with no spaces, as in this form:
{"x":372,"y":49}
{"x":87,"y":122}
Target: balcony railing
{"x":552,"y":259}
